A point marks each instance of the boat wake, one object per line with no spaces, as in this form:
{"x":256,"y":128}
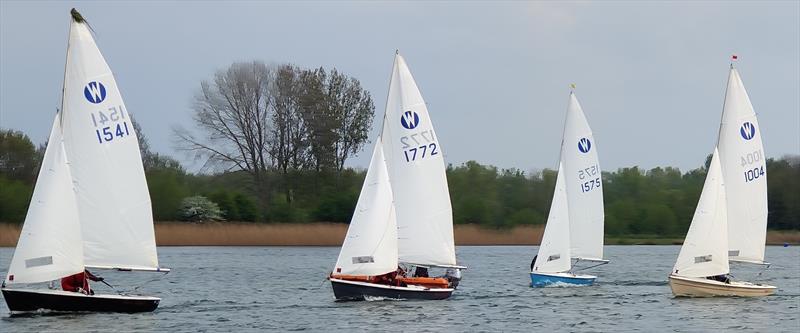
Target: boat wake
{"x":641,"y":283}
{"x":564,"y":285}
{"x":380,"y":298}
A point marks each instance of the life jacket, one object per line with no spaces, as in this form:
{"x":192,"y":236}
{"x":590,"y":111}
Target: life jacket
{"x":75,"y":282}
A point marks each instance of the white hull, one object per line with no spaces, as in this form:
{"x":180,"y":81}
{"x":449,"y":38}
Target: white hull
{"x":701,"y":287}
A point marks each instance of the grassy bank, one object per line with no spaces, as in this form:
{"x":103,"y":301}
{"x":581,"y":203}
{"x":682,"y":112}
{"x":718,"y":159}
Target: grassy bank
{"x":332,"y":234}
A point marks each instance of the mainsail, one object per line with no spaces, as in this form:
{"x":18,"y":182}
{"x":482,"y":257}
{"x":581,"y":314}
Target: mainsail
{"x":49,"y":245}
{"x":416,"y":167}
{"x":582,"y":177}
{"x":704,"y":251}
{"x":106,"y":167}
{"x":370,"y":247}
{"x":744,"y":167}
{"x":554,"y":251}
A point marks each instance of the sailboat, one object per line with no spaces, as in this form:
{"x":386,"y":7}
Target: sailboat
{"x":574,"y":229}
{"x":90,"y":206}
{"x":403,"y":218}
{"x":730,"y":221}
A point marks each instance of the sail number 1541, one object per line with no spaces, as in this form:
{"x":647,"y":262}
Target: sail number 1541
{"x":110,"y":124}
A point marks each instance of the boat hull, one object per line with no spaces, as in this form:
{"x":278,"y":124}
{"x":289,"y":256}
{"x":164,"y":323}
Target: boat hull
{"x":700,"y":287}
{"x":550,"y":279}
{"x":345,"y":290}
{"x":24,"y":300}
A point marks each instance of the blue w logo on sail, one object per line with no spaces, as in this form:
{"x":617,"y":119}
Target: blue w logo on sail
{"x":95,"y":92}
{"x":584,"y":145}
{"x":409,"y":120}
{"x":748,"y":130}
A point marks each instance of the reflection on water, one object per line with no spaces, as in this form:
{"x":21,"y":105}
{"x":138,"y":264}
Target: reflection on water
{"x":284,"y":288}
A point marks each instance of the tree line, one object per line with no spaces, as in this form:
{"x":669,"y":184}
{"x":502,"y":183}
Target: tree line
{"x":274,"y":140}
{"x":659,"y":201}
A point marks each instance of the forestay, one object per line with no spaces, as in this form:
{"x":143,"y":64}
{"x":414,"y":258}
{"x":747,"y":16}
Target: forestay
{"x":370,"y":247}
{"x":583,"y":182}
{"x":417,"y":174}
{"x":554,"y":251}
{"x":744,"y":168}
{"x":49,"y":246}
{"x":704,"y":251}
{"x":111,"y":192}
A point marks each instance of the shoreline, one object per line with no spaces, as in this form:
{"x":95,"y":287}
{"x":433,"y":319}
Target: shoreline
{"x":332,"y":234}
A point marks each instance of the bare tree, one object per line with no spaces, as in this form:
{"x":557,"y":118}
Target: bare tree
{"x":353,"y":110}
{"x":318,"y":118}
{"x":150,"y":159}
{"x":255,"y":117}
{"x":233,"y":113}
{"x":289,"y":145}
{"x":338,"y":113}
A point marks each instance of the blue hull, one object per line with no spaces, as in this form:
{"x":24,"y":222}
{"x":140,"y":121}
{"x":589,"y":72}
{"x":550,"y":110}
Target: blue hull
{"x":543,"y":280}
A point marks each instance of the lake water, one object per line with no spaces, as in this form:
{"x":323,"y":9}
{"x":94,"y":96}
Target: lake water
{"x":284,"y":289}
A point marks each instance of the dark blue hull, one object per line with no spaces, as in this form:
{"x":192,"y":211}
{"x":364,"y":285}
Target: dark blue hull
{"x":359,"y":291}
{"x":57,"y":300}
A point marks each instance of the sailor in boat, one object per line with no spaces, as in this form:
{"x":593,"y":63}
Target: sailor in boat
{"x":453,"y":276}
{"x":721,"y":278}
{"x":80,"y":282}
{"x":421,"y":271}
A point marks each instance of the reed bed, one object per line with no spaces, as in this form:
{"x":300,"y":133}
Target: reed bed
{"x":332,"y":234}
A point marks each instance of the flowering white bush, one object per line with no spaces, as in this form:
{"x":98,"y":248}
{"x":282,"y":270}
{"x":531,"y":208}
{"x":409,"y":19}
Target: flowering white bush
{"x":199,"y":209}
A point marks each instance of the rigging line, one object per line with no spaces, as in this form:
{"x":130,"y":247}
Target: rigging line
{"x":585,"y":268}
{"x":766,"y":267}
{"x":150,"y":281}
{"x":112,"y":287}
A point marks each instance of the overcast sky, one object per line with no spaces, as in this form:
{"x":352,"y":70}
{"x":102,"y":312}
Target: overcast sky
{"x":650,"y":75}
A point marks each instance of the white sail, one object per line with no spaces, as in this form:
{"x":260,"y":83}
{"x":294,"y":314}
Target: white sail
{"x":583,"y":181}
{"x":113,"y":201}
{"x":49,"y":245}
{"x":554,"y":252}
{"x":704,"y":251}
{"x":744,"y":167}
{"x":415,"y":161}
{"x":370,"y":247}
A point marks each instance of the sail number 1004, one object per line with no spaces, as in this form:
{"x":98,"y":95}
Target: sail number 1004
{"x":753,"y":174}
